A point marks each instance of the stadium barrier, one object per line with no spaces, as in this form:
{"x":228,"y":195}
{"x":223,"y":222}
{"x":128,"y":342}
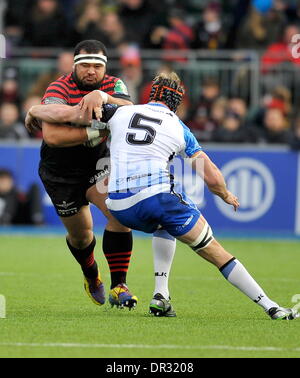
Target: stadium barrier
{"x":237,"y":72}
{"x":266,"y":180}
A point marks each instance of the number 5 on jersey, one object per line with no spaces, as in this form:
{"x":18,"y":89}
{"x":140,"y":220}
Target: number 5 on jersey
{"x":138,"y":122}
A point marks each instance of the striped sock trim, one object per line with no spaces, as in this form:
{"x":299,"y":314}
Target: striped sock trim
{"x":227,"y":268}
{"x":120,"y":263}
{"x":118,"y":254}
{"x":116,"y":271}
{"x":89,"y":261}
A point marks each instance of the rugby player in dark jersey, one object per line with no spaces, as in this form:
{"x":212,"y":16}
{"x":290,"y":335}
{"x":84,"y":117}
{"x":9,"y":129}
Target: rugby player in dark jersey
{"x":69,"y":157}
{"x":69,"y":175}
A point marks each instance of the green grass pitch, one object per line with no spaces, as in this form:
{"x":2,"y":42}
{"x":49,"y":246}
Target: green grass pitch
{"x":49,"y":314}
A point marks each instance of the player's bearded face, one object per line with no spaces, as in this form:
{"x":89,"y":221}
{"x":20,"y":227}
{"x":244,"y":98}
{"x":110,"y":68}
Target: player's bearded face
{"x":89,"y":76}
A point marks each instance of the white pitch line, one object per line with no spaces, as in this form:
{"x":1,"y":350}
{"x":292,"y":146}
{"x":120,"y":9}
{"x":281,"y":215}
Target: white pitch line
{"x":143,"y":346}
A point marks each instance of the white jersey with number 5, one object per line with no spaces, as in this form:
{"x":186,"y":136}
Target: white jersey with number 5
{"x":143,"y":140}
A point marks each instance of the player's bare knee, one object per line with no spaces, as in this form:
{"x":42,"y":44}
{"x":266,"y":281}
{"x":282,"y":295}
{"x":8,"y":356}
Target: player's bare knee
{"x":204,"y":239}
{"x":114,"y":226}
{"x":80,"y":240}
{"x":117,"y":227}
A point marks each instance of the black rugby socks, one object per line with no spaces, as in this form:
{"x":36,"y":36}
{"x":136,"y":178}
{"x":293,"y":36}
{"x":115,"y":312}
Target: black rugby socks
{"x":117,"y":248}
{"x":85,"y":257}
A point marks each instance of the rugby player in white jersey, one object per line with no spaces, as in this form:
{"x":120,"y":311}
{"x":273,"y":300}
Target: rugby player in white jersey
{"x":141,"y":196}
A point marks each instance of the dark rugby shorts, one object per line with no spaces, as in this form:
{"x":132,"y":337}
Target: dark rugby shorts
{"x":68,"y":195}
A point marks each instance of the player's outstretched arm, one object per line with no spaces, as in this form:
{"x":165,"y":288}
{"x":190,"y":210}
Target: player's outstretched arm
{"x":58,"y":136}
{"x":55,"y":113}
{"x":213,"y":178}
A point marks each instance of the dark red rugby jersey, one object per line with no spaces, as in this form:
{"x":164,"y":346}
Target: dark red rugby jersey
{"x":75,"y":162}
{"x":66,"y":89}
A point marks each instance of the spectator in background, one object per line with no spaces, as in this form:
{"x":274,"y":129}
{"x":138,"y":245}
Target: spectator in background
{"x":218,"y":113}
{"x":233,"y":130}
{"x":138,"y":18}
{"x":17,"y":207}
{"x":263,"y":26}
{"x":101,"y":23}
{"x":200,"y":125}
{"x":81,"y":5}
{"x":64,"y":67}
{"x":8,"y":198}
{"x":291,"y":9}
{"x":89,"y":21}
{"x":113,"y":30}
{"x":238,"y":106}
{"x":210,"y":32}
{"x":69,"y":7}
{"x":179,"y":37}
{"x":276,"y":127}
{"x":203,"y":124}
{"x":280,"y":98}
{"x":157,"y":37}
{"x":210,"y":93}
{"x":236,"y":13}
{"x":10,"y":127}
{"x":47,"y":26}
{"x":131,"y":71}
{"x":190,"y":6}
{"x":14,"y":20}
{"x":9,"y":91}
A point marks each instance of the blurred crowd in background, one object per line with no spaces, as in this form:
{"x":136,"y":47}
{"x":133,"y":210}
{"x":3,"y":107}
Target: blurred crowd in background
{"x":18,"y":207}
{"x":130,"y":26}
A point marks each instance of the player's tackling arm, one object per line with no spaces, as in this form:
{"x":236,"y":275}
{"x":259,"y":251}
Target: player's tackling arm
{"x":213,"y":178}
{"x":63,"y":136}
{"x":55,"y":133}
{"x":59,"y":136}
{"x":56,"y":113}
{"x":55,"y":117}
